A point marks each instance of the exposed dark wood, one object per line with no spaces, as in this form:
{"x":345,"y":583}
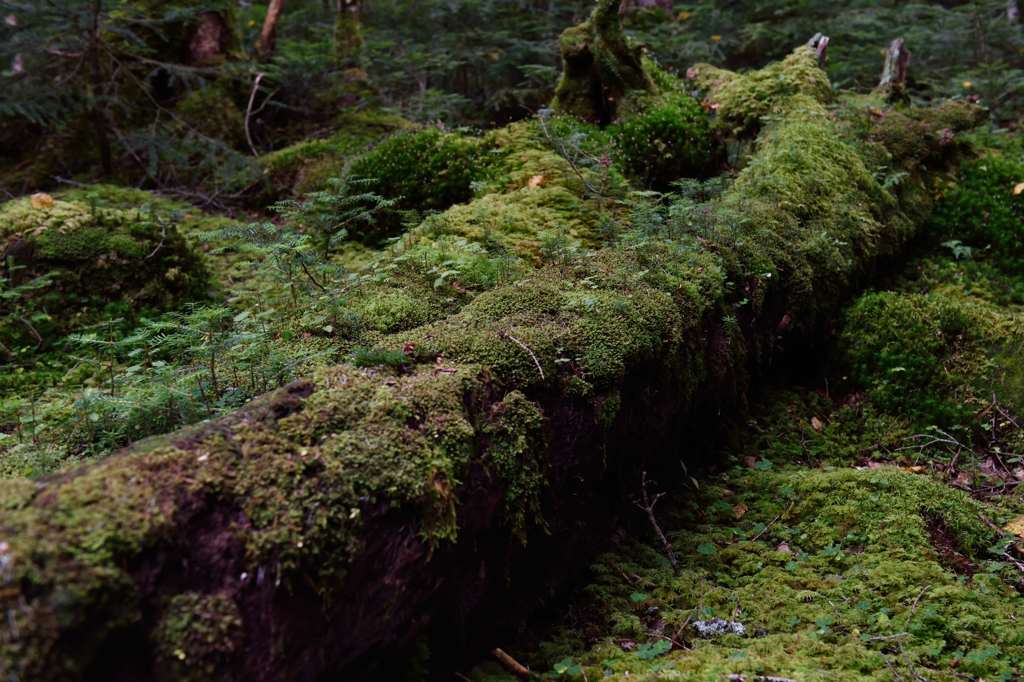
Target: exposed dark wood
{"x":209,"y":41}
{"x":511,"y":664}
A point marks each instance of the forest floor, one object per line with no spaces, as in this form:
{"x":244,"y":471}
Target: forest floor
{"x":838,"y":540}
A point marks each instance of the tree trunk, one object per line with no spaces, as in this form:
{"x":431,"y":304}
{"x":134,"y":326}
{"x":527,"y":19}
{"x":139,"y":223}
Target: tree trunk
{"x":98,"y":115}
{"x":209,"y":42}
{"x":348,"y":32}
{"x":268,"y":36}
{"x":819,"y":43}
{"x":599,"y":66}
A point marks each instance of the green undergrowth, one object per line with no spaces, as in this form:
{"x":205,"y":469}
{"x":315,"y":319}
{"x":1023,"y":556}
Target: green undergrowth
{"x":833,"y":573}
{"x":118,"y":372}
{"x":858,"y":529}
{"x":551,"y":279}
{"x":740,"y":100}
{"x":69,"y":263}
{"x":307,"y":165}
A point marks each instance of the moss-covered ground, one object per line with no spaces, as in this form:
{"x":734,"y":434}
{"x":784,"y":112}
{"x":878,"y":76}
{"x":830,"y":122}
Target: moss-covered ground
{"x":866,"y":523}
{"x":443,"y":357}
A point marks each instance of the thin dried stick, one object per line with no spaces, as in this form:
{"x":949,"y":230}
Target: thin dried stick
{"x":647,"y":505}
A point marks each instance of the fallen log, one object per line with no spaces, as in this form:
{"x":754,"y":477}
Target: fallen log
{"x":329,"y":528}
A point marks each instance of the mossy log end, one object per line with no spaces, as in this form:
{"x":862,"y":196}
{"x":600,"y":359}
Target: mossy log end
{"x":330,"y":526}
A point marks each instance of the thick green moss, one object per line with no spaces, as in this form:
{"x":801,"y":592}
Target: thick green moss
{"x":742,"y":100}
{"x":937,"y":358}
{"x":599,"y":67}
{"x":197,"y":633}
{"x":306,"y":166}
{"x":986,"y":207}
{"x":425,"y":170}
{"x":667,"y":141}
{"x":93,"y":258}
{"x":798,"y":228}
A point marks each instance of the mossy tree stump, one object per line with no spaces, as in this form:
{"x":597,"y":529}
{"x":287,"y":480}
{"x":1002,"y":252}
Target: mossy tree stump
{"x":599,"y":67}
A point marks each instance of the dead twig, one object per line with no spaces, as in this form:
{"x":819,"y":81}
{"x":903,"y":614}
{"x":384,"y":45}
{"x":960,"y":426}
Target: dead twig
{"x":248,"y":112}
{"x":647,"y":504}
{"x":773,"y":522}
{"x":913,"y":607}
{"x":511,"y":664}
{"x":32,"y":330}
{"x":736,"y":677}
{"x":1016,"y":562}
{"x":536,"y":362}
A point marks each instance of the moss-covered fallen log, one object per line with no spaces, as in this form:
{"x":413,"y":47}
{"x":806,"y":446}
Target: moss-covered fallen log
{"x":480,"y":444}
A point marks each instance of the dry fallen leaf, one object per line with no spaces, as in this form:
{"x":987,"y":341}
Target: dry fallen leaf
{"x":42,"y":200}
{"x":817,"y":424}
{"x":739,"y":510}
{"x":1018,"y":189}
{"x":535,"y":182}
{"x":1016,"y":526}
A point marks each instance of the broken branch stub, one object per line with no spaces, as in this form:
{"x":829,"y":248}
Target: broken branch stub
{"x":894,"y":73}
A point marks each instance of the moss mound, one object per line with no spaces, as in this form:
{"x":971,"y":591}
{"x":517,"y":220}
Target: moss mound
{"x":669,"y":140}
{"x":75,"y":263}
{"x":986,"y":208}
{"x":934,"y":356}
{"x":307,"y":166}
{"x":740,"y":100}
{"x":426,"y":170}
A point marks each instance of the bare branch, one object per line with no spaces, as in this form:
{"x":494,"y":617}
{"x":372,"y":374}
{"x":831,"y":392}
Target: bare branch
{"x":647,"y":504}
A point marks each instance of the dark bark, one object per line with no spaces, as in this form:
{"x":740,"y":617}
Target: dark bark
{"x":209,"y":42}
{"x":98,"y":113}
